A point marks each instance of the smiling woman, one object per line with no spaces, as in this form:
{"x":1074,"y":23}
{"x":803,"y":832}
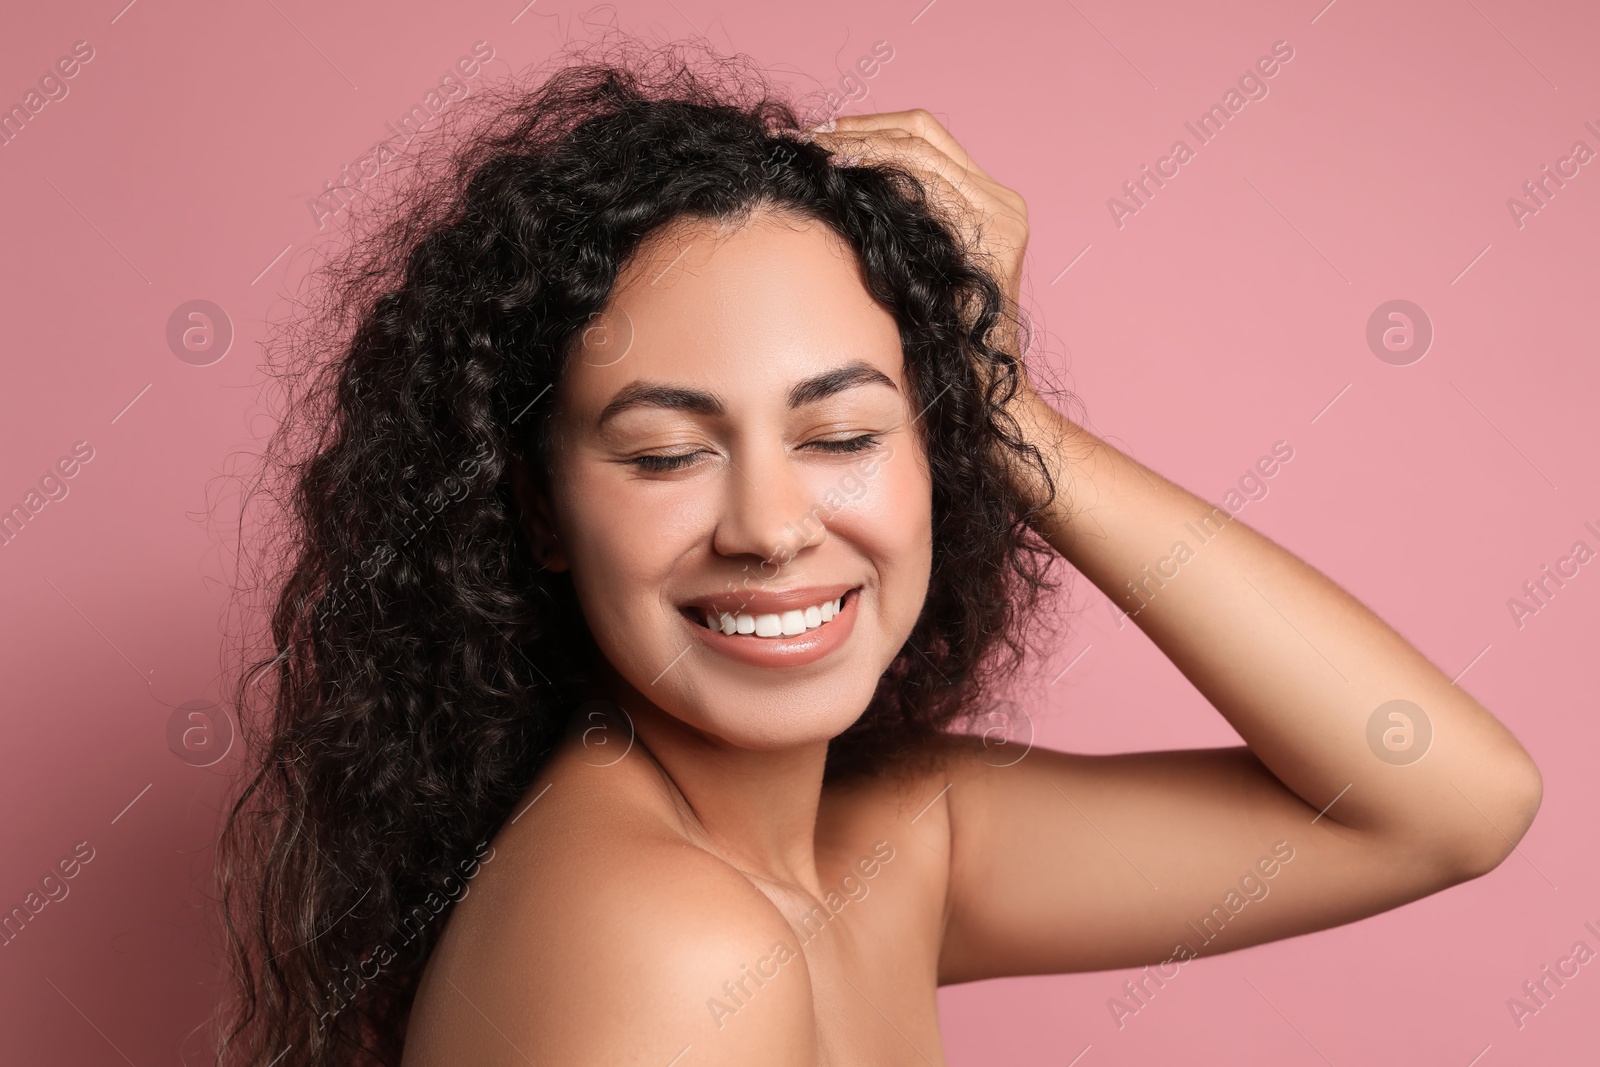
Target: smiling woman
{"x":734,"y":412}
{"x":782,"y":550}
{"x":803,"y":440}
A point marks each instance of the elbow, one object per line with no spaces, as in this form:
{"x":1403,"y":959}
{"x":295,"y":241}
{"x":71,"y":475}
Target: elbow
{"x":1502,"y":822}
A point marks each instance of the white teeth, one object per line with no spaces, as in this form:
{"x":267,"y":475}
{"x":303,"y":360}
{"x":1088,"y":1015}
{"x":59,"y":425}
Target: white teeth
{"x":786,"y":624}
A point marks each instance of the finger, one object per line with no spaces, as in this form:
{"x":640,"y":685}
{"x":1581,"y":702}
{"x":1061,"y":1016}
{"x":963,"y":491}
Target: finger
{"x":895,"y":143}
{"x":876,"y":135}
{"x":937,"y":172}
{"x":974,"y":199}
{"x":968,"y":217}
{"x":917,"y":121}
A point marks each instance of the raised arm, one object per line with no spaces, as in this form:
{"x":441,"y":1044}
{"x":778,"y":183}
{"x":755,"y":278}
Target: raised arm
{"x":1066,"y":862}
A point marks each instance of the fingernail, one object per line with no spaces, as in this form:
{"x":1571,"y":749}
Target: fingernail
{"x":822,"y":127}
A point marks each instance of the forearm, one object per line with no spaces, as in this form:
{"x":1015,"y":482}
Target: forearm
{"x":1292,"y":661}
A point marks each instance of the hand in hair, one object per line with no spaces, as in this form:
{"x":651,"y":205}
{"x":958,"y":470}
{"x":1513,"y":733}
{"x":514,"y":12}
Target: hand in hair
{"x":990,"y":218}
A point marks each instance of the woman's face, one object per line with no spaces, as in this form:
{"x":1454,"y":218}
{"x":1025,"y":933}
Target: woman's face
{"x":735,"y":437}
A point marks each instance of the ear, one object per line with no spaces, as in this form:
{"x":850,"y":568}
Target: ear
{"x":536,"y":518}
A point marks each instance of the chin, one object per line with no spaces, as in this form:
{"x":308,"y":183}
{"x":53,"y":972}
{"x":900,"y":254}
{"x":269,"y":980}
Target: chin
{"x":763,"y":709}
{"x":760,"y":708}
{"x":767,"y":726}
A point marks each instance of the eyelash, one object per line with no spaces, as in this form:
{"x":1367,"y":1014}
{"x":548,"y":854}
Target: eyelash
{"x":663,"y":464}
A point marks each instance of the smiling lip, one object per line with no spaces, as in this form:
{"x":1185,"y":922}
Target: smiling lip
{"x":796,"y":651}
{"x":766,"y":602}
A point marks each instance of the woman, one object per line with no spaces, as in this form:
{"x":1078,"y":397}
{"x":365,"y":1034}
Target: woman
{"x":677,"y":498}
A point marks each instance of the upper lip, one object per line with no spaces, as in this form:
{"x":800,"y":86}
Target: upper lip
{"x":769,"y":601}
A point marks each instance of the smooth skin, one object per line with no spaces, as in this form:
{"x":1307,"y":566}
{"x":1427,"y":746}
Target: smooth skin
{"x":678,"y":886}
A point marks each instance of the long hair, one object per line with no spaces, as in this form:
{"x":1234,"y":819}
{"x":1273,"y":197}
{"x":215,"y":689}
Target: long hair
{"x":422,"y":666}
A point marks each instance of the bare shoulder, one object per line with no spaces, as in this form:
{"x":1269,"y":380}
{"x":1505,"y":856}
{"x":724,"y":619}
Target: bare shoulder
{"x":599,"y":934}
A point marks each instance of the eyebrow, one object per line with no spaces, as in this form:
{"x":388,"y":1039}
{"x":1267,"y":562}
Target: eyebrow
{"x":644,"y":393}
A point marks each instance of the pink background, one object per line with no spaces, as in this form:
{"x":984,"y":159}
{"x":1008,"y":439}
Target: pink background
{"x":1229,"y":313}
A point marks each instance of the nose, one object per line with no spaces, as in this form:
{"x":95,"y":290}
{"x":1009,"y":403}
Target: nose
{"x":771,"y":511}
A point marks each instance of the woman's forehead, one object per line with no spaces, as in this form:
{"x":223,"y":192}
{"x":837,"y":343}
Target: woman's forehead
{"x":753,"y":309}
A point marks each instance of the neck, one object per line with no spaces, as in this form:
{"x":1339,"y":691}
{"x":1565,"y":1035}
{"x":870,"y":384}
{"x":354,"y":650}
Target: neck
{"x":756,"y":807}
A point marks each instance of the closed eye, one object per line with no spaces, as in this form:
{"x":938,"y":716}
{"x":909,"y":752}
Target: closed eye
{"x":859,"y":443}
{"x":662,"y":463}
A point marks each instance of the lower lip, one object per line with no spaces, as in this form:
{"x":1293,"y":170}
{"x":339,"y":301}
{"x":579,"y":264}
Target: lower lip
{"x":796,"y":651}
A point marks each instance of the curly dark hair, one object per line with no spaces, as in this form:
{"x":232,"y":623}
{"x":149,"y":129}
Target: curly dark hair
{"x":422,"y":665}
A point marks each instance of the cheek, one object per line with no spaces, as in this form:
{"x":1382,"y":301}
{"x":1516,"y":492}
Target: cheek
{"x":620,"y":546}
{"x":891,"y":521}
